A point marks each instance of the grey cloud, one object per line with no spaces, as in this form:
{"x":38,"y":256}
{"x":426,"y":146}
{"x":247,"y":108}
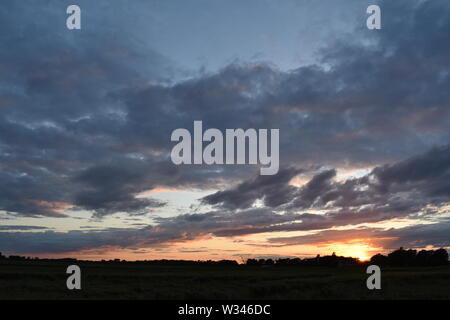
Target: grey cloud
{"x":57,"y":242}
{"x":272,"y":189}
{"x":92,"y":99}
{"x":402,"y":189}
{"x":317,"y":187}
{"x":24,"y":228}
{"x":177,"y":229}
{"x":110,"y":189}
{"x":398,"y":190}
{"x":417,"y":236}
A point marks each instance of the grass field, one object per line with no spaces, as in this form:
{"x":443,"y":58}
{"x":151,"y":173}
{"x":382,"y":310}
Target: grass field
{"x":47,"y":280}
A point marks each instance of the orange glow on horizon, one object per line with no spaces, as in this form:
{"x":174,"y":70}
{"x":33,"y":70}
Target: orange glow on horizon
{"x":214,"y":248}
{"x":356,"y":250}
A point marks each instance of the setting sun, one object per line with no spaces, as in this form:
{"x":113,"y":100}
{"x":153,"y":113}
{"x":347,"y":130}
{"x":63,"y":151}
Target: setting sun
{"x":359,"y":251}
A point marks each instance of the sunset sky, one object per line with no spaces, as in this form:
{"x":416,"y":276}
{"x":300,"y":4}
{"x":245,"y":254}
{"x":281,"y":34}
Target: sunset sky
{"x":86,"y":119}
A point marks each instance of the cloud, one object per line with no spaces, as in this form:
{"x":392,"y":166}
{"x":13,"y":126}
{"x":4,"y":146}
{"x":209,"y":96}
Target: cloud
{"x":110,"y":189}
{"x":405,"y":189}
{"x":417,"y":236}
{"x":22,"y":228}
{"x":87,"y":121}
{"x":316,"y":188}
{"x":273,"y":190}
{"x":402,"y":189}
{"x":59,"y":242}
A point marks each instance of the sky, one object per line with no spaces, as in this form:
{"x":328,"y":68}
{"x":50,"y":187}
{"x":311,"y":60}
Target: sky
{"x":87,"y":115}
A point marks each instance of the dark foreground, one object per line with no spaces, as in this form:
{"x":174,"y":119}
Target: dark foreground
{"x":47,"y":280}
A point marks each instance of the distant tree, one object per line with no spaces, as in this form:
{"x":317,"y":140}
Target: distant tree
{"x":379,"y":260}
{"x":252,"y":262}
{"x":329,"y":261}
{"x":16,"y":258}
{"x":269,"y":262}
{"x":402,"y":258}
{"x":226,"y":262}
{"x":439,"y":258}
{"x":423,"y":257}
{"x":261,"y":262}
{"x":282,"y":262}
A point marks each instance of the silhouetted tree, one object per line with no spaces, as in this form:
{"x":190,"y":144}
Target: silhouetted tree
{"x":439,"y":258}
{"x":269,"y":262}
{"x":379,"y":260}
{"x":288,"y":262}
{"x":407,"y":258}
{"x":423,"y":257}
{"x":402,"y":257}
{"x":252,"y":262}
{"x":226,"y":262}
{"x":17,"y":258}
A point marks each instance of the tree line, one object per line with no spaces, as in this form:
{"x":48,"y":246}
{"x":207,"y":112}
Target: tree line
{"x":412,"y":258}
{"x":397,"y":258}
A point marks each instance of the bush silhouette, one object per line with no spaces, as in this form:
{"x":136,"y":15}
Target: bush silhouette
{"x":439,"y":257}
{"x":379,"y":260}
{"x":410,"y":258}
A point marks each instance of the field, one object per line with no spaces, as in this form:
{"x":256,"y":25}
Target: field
{"x":47,"y":280}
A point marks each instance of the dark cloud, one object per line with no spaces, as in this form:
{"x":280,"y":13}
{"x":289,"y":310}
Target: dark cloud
{"x":22,"y":228}
{"x":86,"y":117}
{"x":273,"y":190}
{"x":57,"y":118}
{"x":110,"y":189}
{"x":402,"y":189}
{"x":181,"y":228}
{"x":190,"y":227}
{"x":417,"y":236}
{"x":391,"y":190}
{"x":318,"y":187}
{"x":58,"y":242}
